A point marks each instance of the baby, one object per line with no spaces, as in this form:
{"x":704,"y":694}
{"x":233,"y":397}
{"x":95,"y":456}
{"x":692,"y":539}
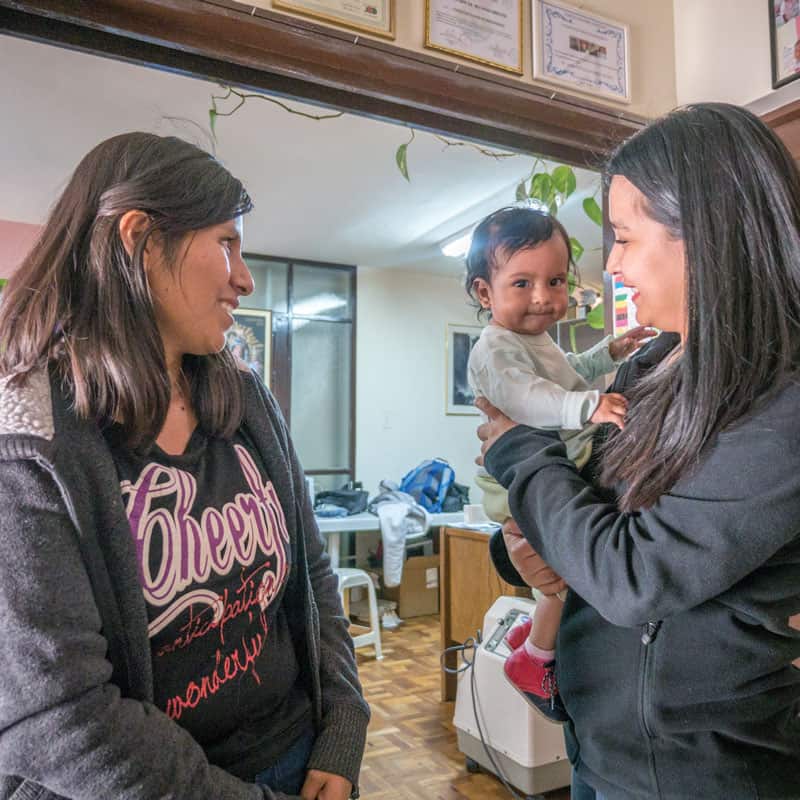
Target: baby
{"x":517,"y":269}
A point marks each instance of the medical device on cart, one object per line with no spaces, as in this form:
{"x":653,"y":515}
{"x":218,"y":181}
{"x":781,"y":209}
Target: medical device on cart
{"x":497,"y":730}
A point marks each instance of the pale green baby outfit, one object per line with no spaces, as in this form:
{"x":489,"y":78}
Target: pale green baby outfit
{"x":534,"y":382}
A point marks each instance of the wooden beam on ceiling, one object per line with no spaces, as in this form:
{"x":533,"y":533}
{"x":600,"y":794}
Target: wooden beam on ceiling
{"x":235,"y":44}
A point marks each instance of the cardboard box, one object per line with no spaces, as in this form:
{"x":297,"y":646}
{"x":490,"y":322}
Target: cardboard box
{"x":418,"y":592}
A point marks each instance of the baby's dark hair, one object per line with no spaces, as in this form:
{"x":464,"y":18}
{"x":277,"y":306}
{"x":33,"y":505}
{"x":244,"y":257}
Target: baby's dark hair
{"x":510,"y":229}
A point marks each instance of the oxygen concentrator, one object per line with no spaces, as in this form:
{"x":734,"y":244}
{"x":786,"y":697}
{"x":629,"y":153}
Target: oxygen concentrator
{"x":526,"y":747}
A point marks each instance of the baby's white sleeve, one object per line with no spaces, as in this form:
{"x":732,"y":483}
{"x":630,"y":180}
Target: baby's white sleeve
{"x":507,"y":379}
{"x":593,"y":363}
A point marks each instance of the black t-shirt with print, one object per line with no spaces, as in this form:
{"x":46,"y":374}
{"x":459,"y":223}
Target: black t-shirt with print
{"x":214,"y":558}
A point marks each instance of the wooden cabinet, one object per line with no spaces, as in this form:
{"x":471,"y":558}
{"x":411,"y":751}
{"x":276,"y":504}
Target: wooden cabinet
{"x":468,"y":586}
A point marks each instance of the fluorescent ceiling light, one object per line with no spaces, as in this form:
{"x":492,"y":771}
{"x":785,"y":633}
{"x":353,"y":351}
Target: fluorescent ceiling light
{"x":538,"y":205}
{"x":459,"y":246}
{"x":318,"y":305}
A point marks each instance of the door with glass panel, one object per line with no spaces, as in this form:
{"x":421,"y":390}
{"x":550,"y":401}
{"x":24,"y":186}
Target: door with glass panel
{"x":313,"y":358}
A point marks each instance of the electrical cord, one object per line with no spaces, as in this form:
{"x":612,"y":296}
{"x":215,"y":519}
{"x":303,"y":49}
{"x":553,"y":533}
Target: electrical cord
{"x":473,"y":644}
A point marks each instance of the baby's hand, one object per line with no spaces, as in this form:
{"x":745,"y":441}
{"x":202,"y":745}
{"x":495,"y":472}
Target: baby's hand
{"x":624,"y":345}
{"x":611,"y":408}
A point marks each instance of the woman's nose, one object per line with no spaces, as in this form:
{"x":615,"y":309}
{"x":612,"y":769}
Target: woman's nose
{"x":241,"y":277}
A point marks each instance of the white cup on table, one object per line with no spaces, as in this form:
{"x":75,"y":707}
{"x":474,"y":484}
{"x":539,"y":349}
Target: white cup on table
{"x":474,"y":514}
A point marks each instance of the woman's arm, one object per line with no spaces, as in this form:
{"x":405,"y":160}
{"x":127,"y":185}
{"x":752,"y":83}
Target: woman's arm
{"x":62,"y":723}
{"x":340,"y":743}
{"x":339,"y":747}
{"x":739,"y":507}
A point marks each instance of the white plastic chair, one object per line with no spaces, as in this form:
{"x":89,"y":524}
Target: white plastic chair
{"x":349,"y":578}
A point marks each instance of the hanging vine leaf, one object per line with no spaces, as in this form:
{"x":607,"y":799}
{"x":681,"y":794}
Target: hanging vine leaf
{"x":593,"y":211}
{"x":564,"y":180}
{"x":541,"y":188}
{"x":596,"y":317}
{"x":522,"y":192}
{"x":576,"y":247}
{"x":401,"y":159}
{"x":212,"y":122}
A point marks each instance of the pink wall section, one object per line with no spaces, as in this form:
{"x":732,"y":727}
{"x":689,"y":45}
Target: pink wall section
{"x":16,"y":239}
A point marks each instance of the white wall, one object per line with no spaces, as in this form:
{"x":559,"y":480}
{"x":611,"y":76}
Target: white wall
{"x":400,"y":340}
{"x":722,"y":53}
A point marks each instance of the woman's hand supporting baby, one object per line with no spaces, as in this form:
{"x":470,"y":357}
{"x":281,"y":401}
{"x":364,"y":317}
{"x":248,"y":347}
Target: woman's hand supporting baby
{"x":531,"y":567}
{"x":497,"y":423}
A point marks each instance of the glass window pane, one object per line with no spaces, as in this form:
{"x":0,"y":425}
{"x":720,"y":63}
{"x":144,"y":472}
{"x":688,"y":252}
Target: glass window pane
{"x":270,"y":282}
{"x":321,"y":292}
{"x":321,"y":399}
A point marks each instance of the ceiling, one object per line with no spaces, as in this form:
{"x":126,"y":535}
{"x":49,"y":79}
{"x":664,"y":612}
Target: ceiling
{"x":324,"y":190}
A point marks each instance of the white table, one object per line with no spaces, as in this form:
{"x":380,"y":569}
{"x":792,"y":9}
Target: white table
{"x":333,"y":527}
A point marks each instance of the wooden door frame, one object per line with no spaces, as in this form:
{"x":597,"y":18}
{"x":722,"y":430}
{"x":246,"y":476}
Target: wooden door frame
{"x":785,"y":121}
{"x":231,"y":43}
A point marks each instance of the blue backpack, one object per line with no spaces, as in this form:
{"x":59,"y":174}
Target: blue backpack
{"x":428,"y":483}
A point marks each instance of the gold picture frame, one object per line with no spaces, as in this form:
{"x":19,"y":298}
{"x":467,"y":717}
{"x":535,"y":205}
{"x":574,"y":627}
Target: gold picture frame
{"x":449,"y":32}
{"x":458,"y":397}
{"x":250,"y":340}
{"x":326,"y":11}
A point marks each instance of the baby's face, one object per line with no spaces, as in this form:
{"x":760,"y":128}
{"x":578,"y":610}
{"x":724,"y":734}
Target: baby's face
{"x":528,"y":292}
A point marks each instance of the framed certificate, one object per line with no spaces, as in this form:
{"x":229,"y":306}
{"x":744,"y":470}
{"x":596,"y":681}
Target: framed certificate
{"x":370,"y":16}
{"x":581,"y":50}
{"x":486,"y":31}
{"x":784,"y":35}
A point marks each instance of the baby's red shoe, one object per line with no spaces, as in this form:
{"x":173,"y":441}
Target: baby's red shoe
{"x":535,"y":680}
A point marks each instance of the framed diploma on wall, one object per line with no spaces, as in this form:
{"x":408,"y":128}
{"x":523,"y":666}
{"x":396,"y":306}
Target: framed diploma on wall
{"x":580,"y":50}
{"x":488,"y":32}
{"x":784,"y":35}
{"x":370,"y":16}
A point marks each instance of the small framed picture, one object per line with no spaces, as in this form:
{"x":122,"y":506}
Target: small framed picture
{"x":488,"y":32}
{"x":784,"y":35}
{"x":460,"y":340}
{"x":581,"y":50}
{"x":375,"y":17}
{"x":250,"y":339}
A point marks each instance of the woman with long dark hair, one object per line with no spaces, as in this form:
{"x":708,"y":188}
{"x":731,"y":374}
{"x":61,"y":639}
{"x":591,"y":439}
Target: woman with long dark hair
{"x":680,"y":638}
{"x":171,"y":626}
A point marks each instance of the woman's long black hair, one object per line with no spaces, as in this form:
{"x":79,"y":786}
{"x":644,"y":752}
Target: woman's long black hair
{"x":82,"y":304}
{"x":719,"y":179}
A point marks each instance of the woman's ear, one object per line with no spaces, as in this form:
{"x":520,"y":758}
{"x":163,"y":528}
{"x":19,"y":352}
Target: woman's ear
{"x":132,"y":225}
{"x":483,"y":292}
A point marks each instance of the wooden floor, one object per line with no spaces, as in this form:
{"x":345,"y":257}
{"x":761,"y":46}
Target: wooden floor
{"x":411,"y":745}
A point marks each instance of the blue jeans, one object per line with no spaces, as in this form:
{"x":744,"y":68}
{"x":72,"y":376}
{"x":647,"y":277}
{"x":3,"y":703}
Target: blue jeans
{"x":288,"y":773}
{"x":580,"y":790}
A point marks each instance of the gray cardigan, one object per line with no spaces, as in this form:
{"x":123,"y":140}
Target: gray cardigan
{"x":76,"y":711}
